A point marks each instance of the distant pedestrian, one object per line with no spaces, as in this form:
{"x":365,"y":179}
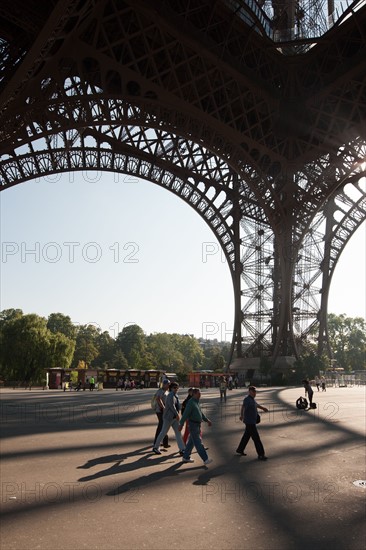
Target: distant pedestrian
{"x":170,"y":419}
{"x":317,"y":382}
{"x":323,"y":384}
{"x":308,"y":391}
{"x":249,"y":415}
{"x":194,"y":415}
{"x":91,"y":383}
{"x":223,"y":389}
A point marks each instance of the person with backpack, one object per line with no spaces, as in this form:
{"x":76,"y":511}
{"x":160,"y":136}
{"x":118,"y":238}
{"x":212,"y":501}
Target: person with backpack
{"x":170,"y":419}
{"x":159,"y":405}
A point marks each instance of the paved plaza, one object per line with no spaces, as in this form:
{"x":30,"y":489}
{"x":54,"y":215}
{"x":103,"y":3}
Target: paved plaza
{"x":78,"y":472}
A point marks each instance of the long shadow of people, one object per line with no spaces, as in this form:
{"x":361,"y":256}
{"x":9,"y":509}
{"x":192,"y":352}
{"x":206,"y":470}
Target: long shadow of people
{"x":114,"y":458}
{"x":134,"y":485}
{"x":120,"y":467}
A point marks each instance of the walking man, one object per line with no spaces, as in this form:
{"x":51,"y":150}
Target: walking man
{"x":195,"y":417}
{"x":170,"y":419}
{"x":161,"y":396}
{"x":249,"y":415}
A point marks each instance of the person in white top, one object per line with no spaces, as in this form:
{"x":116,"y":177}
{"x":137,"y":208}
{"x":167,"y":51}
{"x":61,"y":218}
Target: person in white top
{"x":170,"y":419}
{"x":161,"y":396}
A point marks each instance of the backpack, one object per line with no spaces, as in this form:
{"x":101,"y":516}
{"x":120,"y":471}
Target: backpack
{"x":302,"y":403}
{"x":153,"y":401}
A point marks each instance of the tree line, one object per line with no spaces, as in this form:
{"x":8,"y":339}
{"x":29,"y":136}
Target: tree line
{"x":347,"y":339}
{"x":29,"y":344}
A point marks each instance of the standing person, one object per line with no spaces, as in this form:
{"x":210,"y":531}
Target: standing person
{"x":249,"y":415}
{"x":317,"y":382}
{"x":91,"y":383}
{"x":309,"y":391}
{"x":223,"y":389}
{"x":161,"y":396}
{"x":323,"y":384}
{"x":195,"y":417}
{"x":170,"y":419}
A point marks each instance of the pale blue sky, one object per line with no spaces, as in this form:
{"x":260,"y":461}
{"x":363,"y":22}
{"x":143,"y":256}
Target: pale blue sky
{"x":113,"y":250}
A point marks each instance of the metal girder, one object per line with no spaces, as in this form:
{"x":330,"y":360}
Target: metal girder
{"x":261,"y":137}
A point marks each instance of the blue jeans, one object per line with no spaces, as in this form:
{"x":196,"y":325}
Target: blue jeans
{"x":196,"y":440}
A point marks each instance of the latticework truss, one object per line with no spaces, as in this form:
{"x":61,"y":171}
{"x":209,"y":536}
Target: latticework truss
{"x":262,"y":138}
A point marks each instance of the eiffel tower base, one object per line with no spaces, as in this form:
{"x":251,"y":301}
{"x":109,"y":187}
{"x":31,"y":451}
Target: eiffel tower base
{"x":249,"y":372}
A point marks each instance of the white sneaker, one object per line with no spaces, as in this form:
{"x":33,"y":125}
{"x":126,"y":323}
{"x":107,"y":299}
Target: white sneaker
{"x":187,"y":460}
{"x":208,"y":461}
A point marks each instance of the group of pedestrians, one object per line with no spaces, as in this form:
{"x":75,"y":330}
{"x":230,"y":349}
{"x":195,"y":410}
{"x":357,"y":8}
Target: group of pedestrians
{"x":126,"y":384}
{"x":171,"y":414}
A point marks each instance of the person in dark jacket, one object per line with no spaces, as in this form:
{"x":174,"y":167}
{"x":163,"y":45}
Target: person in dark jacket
{"x":249,"y":415}
{"x":184,"y":404}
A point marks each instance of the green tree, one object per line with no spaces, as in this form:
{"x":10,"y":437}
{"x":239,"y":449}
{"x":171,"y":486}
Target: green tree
{"x":163,"y":351}
{"x":86,"y":348}
{"x":347,"y":337}
{"x":309,"y":365}
{"x":9,"y":315}
{"x":119,"y":361}
{"x":213,"y":355}
{"x":175,"y":352}
{"x":190,"y":349}
{"x":218,"y":362}
{"x":60,"y":351}
{"x":131,"y":342}
{"x":106,"y":350}
{"x":28,"y":348}
{"x":58,"y":322}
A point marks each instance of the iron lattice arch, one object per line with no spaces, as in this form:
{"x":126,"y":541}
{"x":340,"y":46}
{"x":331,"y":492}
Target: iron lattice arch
{"x":271,"y":157}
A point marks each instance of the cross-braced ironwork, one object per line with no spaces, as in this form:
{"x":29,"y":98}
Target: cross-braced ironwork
{"x":254,"y":113}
